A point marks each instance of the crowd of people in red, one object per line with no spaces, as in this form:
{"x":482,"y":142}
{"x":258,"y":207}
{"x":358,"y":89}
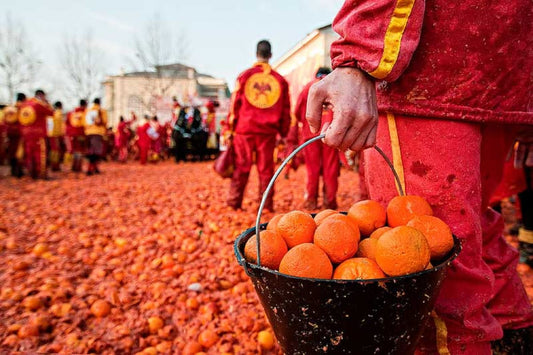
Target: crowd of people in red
{"x":36,"y":136}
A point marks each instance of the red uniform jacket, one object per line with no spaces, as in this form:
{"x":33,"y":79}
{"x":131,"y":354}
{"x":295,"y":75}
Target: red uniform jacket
{"x":32,"y":117}
{"x":466,"y":60}
{"x":260,"y":103}
{"x":74,"y":124}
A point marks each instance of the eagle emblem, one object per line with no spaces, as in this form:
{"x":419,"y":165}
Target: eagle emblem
{"x":262,"y":90}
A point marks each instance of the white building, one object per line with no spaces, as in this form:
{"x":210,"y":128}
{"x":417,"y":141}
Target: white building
{"x":151,"y":92}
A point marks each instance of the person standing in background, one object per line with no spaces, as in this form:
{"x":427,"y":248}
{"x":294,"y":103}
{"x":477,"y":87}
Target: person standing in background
{"x":260,"y":109}
{"x":95,"y":125}
{"x":55,"y":135}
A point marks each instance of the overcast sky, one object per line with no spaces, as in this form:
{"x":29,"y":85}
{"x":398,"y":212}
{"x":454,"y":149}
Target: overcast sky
{"x":221,"y":34}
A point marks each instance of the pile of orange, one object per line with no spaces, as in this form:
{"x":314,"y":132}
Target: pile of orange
{"x":369,"y":242}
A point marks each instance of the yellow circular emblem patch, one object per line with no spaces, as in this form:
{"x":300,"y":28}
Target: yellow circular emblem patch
{"x":262,"y":90}
{"x":10,"y":114}
{"x":27,"y":116}
{"x":76,"y":120}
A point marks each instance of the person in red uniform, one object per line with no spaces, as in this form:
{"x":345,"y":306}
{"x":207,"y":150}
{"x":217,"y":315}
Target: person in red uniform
{"x":450,"y":88}
{"x":13,"y":133}
{"x":75,"y":135}
{"x":95,"y":127}
{"x":122,"y":140}
{"x":260,"y":109}
{"x":32,"y":119}
{"x":144,"y":141}
{"x":55,"y":136}
{"x":319,"y":158}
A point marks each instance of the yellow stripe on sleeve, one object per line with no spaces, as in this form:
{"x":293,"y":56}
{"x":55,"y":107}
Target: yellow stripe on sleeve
{"x":393,"y":38}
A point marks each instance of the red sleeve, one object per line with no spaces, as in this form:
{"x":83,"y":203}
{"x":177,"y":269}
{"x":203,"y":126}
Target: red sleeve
{"x":378,"y":36}
{"x":301,"y":103}
{"x":285,"y":123}
{"x":235,"y":103}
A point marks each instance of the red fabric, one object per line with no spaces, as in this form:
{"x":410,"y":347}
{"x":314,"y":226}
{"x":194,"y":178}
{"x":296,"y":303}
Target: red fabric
{"x":319,"y":158}
{"x":453,"y":61}
{"x":252,"y":120}
{"x":55,"y":152}
{"x":72,"y":131}
{"x":142,"y":134}
{"x":512,"y":182}
{"x":35,"y":156}
{"x":123,"y":134}
{"x":38,"y":128}
{"x":454,"y":165}
{"x":144,"y":142}
{"x":245,"y":146}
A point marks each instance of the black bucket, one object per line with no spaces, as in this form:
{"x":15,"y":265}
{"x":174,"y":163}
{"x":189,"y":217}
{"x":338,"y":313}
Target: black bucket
{"x":311,"y":316}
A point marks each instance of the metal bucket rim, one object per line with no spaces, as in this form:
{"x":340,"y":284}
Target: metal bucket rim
{"x":251,"y":232}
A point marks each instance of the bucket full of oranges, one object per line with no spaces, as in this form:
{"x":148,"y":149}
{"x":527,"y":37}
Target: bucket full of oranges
{"x":358,"y":282}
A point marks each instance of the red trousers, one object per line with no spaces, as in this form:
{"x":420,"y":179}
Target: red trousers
{"x":321,"y":159}
{"x":245,"y":146}
{"x":55,"y":152}
{"x":35,"y":156}
{"x":143,"y":153}
{"x":456,"y":166}
{"x":75,"y":146}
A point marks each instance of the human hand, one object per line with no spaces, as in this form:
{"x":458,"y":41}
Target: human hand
{"x":352,"y":97}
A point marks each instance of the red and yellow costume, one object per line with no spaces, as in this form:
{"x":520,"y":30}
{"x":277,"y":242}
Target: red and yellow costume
{"x":95,"y":128}
{"x":453,"y":71}
{"x":260,"y":109}
{"x":32,"y":119}
{"x":13,"y":135}
{"x":55,"y":136}
{"x":75,"y":136}
{"x":319,"y":158}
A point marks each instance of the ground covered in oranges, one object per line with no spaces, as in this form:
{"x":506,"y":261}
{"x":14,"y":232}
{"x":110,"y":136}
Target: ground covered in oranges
{"x":139,"y":258}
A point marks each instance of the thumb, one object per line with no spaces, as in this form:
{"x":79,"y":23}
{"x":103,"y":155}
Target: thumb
{"x":313,"y":112}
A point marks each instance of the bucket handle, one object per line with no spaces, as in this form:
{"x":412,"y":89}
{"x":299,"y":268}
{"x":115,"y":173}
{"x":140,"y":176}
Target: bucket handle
{"x":280,"y":169}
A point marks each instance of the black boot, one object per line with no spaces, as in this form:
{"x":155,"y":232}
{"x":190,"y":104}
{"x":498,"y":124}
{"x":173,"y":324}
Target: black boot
{"x":514,"y":342}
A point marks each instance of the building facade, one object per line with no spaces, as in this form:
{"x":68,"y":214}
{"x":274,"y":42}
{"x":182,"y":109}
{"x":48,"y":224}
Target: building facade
{"x":151,"y":92}
{"x":300,"y":64}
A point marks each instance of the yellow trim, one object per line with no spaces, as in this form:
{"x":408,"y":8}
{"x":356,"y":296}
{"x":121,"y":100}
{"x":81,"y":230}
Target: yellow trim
{"x":525,"y":235}
{"x":442,"y":334}
{"x":42,"y":143}
{"x":396,"y":152}
{"x":393,"y":38}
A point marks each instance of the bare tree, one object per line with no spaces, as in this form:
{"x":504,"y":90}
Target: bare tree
{"x":154,"y":48}
{"x":83,"y":64}
{"x":18,"y":61}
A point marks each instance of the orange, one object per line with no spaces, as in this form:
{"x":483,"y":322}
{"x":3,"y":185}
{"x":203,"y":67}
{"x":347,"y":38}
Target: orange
{"x":322,"y":215}
{"x":367,"y":248}
{"x":265,"y":339}
{"x":306,"y":260}
{"x":344,"y":218}
{"x":379,"y":232}
{"x":296,"y":227}
{"x":272,"y":224}
{"x":208,"y":338}
{"x":358,"y":269}
{"x":338,"y":238}
{"x":154,"y":324}
{"x":401,"y":209}
{"x":369,"y":216}
{"x":273,"y":248}
{"x":100,"y":308}
{"x":437,"y":233}
{"x":402,"y":250}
